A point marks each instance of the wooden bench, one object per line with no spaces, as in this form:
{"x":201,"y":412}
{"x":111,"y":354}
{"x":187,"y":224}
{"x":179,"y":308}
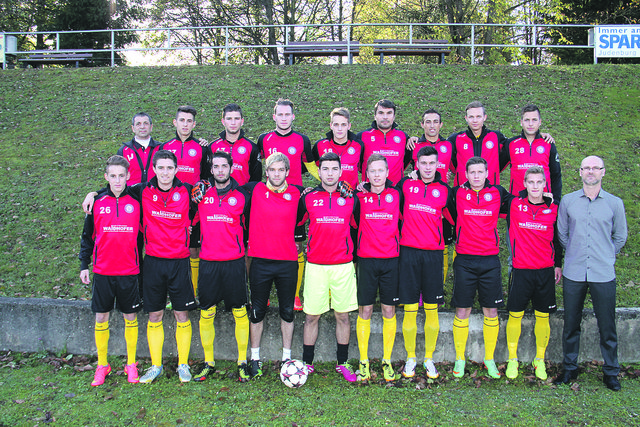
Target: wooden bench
{"x":57,"y":57}
{"x":410,"y":48}
{"x":295,"y":50}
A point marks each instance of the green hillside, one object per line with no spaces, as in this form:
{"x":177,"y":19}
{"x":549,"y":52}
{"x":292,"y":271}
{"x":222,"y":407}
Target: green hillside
{"x":59,"y":126}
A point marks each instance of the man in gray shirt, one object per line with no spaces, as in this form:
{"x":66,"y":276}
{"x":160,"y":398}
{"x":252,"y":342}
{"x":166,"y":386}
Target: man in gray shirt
{"x":592,"y":228}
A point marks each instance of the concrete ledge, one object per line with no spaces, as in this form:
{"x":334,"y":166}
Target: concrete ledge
{"x":32,"y":325}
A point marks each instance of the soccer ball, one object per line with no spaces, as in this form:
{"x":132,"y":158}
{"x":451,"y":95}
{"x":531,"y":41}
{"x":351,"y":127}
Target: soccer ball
{"x":294,"y":373}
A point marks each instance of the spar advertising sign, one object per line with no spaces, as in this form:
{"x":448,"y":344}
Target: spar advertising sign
{"x":617,"y":41}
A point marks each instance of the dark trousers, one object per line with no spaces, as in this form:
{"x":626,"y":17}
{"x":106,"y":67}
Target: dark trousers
{"x":603,"y":295}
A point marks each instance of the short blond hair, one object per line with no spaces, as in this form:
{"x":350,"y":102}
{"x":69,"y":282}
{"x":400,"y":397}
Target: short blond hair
{"x":277,"y":157}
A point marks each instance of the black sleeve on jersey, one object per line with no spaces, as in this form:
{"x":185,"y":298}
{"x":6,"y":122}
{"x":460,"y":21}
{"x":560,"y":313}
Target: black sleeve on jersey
{"x":307,"y":149}
{"x":136,"y":190}
{"x":193,"y":207}
{"x":451,"y":204}
{"x":86,"y":243}
{"x":302,"y":210}
{"x":454,"y":160}
{"x":505,"y":157}
{"x":255,"y":165}
{"x":408,"y":154}
{"x":555,"y":174}
{"x":399,"y":187}
{"x":260,"y":145}
{"x":356,"y":207}
{"x":120,"y":150}
{"x":505,"y":199}
{"x":314,"y":151}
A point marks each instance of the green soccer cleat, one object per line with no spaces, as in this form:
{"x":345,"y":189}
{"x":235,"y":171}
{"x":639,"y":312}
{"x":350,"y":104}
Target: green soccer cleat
{"x":512,"y":368}
{"x":364,"y":373}
{"x":492,"y":369}
{"x":458,"y":368}
{"x":244,"y":373}
{"x":152,"y":373}
{"x":540,"y":369}
{"x":387,"y":371}
{"x":255,"y":368}
{"x":204,"y":371}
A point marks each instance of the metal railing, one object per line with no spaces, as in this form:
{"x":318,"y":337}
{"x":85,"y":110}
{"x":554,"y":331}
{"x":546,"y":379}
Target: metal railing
{"x":536,"y":33}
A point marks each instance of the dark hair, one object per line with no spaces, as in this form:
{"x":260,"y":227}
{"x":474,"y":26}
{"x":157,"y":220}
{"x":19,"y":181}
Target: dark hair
{"x":431,"y":111}
{"x":375,"y":157}
{"x":222,"y":155}
{"x":329,"y":157}
{"x":141,"y":114}
{"x":529,"y":108}
{"x":384,"y":103}
{"x":282,"y":101}
{"x":186,"y":109}
{"x":164,"y":154}
{"x":229,"y":108}
{"x":117,"y":161}
{"x":476,"y":161}
{"x":427,"y":151}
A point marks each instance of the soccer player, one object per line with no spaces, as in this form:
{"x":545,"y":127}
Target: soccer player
{"x":297,"y":148}
{"x":474,"y":207}
{"x":273,"y":216}
{"x":222,"y":209}
{"x":385,"y":138}
{"x":592,"y":228}
{"x":531,"y":220}
{"x":112,"y":231}
{"x":330,"y":280}
{"x":378,"y":211}
{"x":140,"y":150}
{"x":245,"y":153}
{"x":192,"y":166}
{"x":422,"y":243}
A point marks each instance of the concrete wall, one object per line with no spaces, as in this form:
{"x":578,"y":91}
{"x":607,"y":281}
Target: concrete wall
{"x":32,"y":325}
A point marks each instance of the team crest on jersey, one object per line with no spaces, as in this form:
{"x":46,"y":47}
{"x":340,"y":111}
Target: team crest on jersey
{"x":128,"y":208}
{"x":540,"y":149}
{"x":176,"y":197}
{"x":489,"y":145}
{"x":351,"y":150}
{"x":341,"y":201}
{"x":443,"y":149}
{"x":388,"y":198}
{"x":488,"y":197}
{"x":242,"y":150}
{"x":435,"y":193}
{"x":546,"y":211}
{"x":292,"y":150}
{"x":193,"y":152}
{"x":287,"y":196}
{"x":396,"y":139}
{"x":233,"y":201}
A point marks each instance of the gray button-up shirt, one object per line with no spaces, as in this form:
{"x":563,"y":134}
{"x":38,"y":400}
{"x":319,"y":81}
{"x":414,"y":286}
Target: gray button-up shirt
{"x":592,"y":233}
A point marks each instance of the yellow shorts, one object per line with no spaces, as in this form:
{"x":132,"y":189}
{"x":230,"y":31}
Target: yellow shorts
{"x":329,"y":286}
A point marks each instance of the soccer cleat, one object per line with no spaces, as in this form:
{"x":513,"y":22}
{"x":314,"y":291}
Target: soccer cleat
{"x":512,"y":368}
{"x":297,"y":304}
{"x":346,"y":372}
{"x":492,"y":369}
{"x":409,"y":368}
{"x":101,"y":374}
{"x":204,"y":371}
{"x":432,"y":372}
{"x":244,"y":373}
{"x":255,"y":368}
{"x":184,"y":373}
{"x":310,"y":369}
{"x":540,"y":369}
{"x":132,"y":373}
{"x":152,"y":373}
{"x":458,"y":368}
{"x":364,"y":373}
{"x":387,"y":371}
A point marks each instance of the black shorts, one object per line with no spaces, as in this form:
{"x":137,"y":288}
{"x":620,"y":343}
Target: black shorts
{"x":222,"y":280}
{"x":172,"y":276}
{"x":421,"y":273}
{"x":123,"y":290}
{"x":537,"y":286}
{"x":477,"y":273}
{"x":262,"y":274}
{"x":374,"y":274}
{"x":194,"y":240}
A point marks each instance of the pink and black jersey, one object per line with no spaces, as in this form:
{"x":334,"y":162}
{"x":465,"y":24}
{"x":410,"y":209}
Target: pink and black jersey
{"x":272,"y":222}
{"x":245,"y":154}
{"x":444,"y":149}
{"x":378,"y":222}
{"x":351,"y":154}
{"x":532,"y":233}
{"x":294,"y":145}
{"x":192,"y":163}
{"x":140,"y":160}
{"x":330,"y":218}
{"x":222,"y":222}
{"x":475,"y":214}
{"x":422,"y":213}
{"x":392,"y":145}
{"x":523,"y":155}
{"x":110,"y":235}
{"x":488,"y":145}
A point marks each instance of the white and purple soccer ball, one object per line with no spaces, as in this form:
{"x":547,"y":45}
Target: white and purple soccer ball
{"x":294,"y":373}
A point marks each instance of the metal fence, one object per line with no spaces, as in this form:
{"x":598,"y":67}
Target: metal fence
{"x":536,"y":38}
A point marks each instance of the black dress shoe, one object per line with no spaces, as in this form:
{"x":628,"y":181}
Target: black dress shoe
{"x":612,"y":383}
{"x":566,"y":377}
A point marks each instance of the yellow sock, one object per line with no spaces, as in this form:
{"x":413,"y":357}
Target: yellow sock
{"x":131,"y":338}
{"x":207,"y":332}
{"x":410,"y":329}
{"x":514,"y":329}
{"x":195,"y":269}
{"x":431,"y":329}
{"x":490,"y":331}
{"x":155,"y":337}
{"x":388,"y":336}
{"x":102,"y":342}
{"x":542,"y":331}
{"x":241,"y":317}
{"x":445,"y":265}
{"x":363,"y":331}
{"x":300,"y":272}
{"x":460,"y":335}
{"x":183,"y":341}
